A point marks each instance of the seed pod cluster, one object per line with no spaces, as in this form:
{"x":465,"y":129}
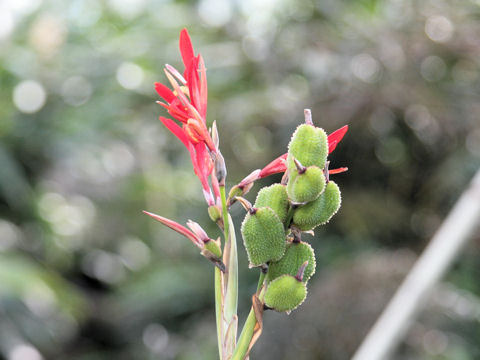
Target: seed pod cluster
{"x":272,"y":228}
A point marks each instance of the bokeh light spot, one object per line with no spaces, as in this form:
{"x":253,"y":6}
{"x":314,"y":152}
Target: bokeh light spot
{"x":134,"y":253}
{"x":155,"y":337}
{"x":24,"y":352}
{"x":29,"y":96}
{"x":7,"y":23}
{"x":76,"y":90}
{"x":439,"y":28}
{"x":365,"y":68}
{"x":433,"y":68}
{"x":130,"y":75}
{"x":215,"y":12}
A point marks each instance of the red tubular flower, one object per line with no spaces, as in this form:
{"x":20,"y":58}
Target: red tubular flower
{"x":187,"y":103}
{"x":196,"y":238}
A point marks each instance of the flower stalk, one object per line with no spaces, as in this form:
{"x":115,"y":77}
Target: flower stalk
{"x":273,"y":224}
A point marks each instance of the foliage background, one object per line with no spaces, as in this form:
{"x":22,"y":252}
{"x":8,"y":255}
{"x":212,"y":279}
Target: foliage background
{"x":84,"y":275}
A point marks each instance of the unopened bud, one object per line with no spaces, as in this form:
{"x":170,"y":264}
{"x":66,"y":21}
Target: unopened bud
{"x":215,"y":137}
{"x":213,"y":257}
{"x":220,"y":169}
{"x":214,"y":213}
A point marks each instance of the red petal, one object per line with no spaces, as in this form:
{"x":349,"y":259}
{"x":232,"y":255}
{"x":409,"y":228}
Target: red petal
{"x":177,"y":227}
{"x":164,"y":92}
{"x":203,"y":88}
{"x":337,"y":171}
{"x":186,"y":48}
{"x":193,"y":84}
{"x":335,"y":137}
{"x":276,"y":166}
{"x":176,"y":130}
{"x":204,"y":164}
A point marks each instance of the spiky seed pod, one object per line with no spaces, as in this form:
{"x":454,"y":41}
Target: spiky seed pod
{"x":308,"y":145}
{"x":320,"y":211}
{"x":305,"y":186}
{"x":285,"y":293}
{"x":295,"y":255}
{"x":263,"y":235}
{"x":276,"y":198}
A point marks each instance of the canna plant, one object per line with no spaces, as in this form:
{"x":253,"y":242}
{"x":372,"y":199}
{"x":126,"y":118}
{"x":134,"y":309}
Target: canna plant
{"x":273,"y":226}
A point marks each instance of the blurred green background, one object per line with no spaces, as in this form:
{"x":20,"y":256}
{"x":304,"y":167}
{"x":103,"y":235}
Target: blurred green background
{"x":84,"y":275}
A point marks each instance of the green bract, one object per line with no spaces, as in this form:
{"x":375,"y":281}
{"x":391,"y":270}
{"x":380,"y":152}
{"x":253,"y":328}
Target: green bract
{"x":295,"y":255}
{"x":276,"y":198}
{"x":306,"y":186}
{"x":263,"y":236}
{"x":308,"y":145}
{"x":213,"y":247}
{"x":318,"y":212}
{"x":285,"y":293}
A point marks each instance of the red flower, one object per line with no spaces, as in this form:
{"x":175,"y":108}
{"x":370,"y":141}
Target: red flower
{"x":198,"y":239}
{"x":187,"y":103}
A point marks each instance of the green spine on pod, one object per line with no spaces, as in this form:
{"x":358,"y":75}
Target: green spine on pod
{"x":295,"y":255}
{"x":263,"y":235}
{"x":307,"y":186}
{"x":309,"y":145}
{"x":276,"y":198}
{"x":320,"y":211}
{"x":285,"y":293}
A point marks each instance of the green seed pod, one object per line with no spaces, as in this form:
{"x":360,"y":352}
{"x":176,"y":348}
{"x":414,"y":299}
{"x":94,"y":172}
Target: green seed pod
{"x":213,"y":247}
{"x":308,"y":145}
{"x":263,"y":236}
{"x":285,"y":293}
{"x":305,"y":186}
{"x":214,"y":213}
{"x":320,"y":211}
{"x":295,"y":255}
{"x":276,"y":198}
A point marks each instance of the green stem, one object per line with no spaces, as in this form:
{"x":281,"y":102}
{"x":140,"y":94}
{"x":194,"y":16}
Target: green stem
{"x":245,"y":337}
{"x":218,"y":309}
{"x":227,"y":311}
{"x":289,"y":217}
{"x":247,"y":331}
{"x":261,"y":278}
{"x":226,"y":227}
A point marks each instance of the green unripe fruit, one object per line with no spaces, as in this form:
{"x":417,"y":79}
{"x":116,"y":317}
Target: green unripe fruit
{"x":309,"y":145}
{"x":213,"y":247}
{"x":263,"y":236}
{"x":285,"y":293}
{"x":214,"y":213}
{"x":320,"y":211}
{"x":276,"y":198}
{"x":306,"y":186}
{"x":295,"y":255}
